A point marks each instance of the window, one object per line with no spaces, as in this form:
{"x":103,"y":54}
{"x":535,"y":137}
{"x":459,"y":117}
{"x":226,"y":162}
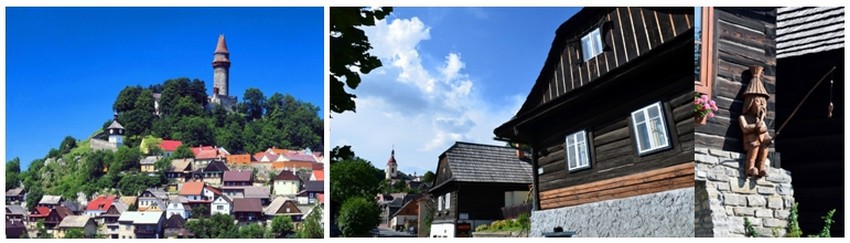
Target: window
{"x":448,"y":200}
{"x":703,"y":49}
{"x":219,"y":207}
{"x":440,"y":203}
{"x":591,"y":44}
{"x":650,"y":129}
{"x":577,"y":157}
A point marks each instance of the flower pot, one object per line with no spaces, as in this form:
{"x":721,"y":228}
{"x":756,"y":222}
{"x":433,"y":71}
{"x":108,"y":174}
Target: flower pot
{"x":700,"y":120}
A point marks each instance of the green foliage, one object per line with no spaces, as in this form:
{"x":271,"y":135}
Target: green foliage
{"x":133,"y":184}
{"x":145,"y":101}
{"x":358,"y":216}
{"x":311,"y":227}
{"x":254,"y":103}
{"x":353,"y":178}
{"x":136,"y":122}
{"x":827,"y":225}
{"x":524,"y":221}
{"x":749,"y":230}
{"x":199,"y":212}
{"x":793,"y":228}
{"x":42,"y":231}
{"x":251,"y":231}
{"x":349,"y":48}
{"x":67,"y":145}
{"x":217,"y":226}
{"x":428,"y":177}
{"x":74,"y":233}
{"x":13,"y":171}
{"x":282,"y":226}
{"x":34,"y":195}
{"x":194,"y":131}
{"x":126,"y":99}
{"x":175,"y":89}
{"x":482,"y":228}
{"x":183,"y":151}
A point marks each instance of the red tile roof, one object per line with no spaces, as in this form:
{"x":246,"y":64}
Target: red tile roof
{"x":319,"y":174}
{"x":101,"y":203}
{"x":259,"y":156}
{"x":192,"y":188}
{"x":40,"y":211}
{"x":205,"y":152}
{"x":214,"y":190}
{"x":170,"y":145}
{"x":286,"y":175}
{"x":318,"y":166}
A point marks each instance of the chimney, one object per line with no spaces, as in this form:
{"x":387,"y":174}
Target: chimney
{"x":519,"y":153}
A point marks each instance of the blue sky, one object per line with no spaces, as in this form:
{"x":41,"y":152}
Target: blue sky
{"x":449,"y":74}
{"x":66,"y":66}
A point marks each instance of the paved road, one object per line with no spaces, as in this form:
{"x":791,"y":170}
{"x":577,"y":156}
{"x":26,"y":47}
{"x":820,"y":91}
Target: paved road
{"x":384,"y":232}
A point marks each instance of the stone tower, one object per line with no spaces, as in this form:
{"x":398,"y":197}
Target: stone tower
{"x":392,"y":167}
{"x":221,"y":68}
{"x":116,"y":133}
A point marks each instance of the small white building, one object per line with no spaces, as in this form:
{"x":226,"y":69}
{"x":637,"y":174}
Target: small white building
{"x":286,"y":184}
{"x":177,"y":206}
{"x":222,"y":205}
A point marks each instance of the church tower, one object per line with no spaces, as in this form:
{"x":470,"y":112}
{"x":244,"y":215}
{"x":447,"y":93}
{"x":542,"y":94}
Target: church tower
{"x":392,"y":167}
{"x":116,"y":133}
{"x":221,"y":68}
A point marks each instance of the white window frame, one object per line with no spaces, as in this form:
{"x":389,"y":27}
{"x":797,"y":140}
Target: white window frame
{"x":448,"y":201}
{"x":574,"y":149}
{"x":440,"y":203}
{"x":653,"y":144}
{"x":591,"y":44}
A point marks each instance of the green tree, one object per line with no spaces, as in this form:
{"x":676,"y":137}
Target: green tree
{"x":199,"y":212}
{"x":150,"y":145}
{"x":13,"y":170}
{"x":194,"y":131}
{"x":145,"y":101}
{"x":312,"y":225}
{"x":186,"y":107}
{"x":428,"y":177}
{"x":74,"y":233}
{"x":183,"y":151}
{"x":133,"y":184}
{"x":281,"y":226}
{"x":42,"y":231}
{"x":353,"y":178}
{"x":126,"y":99}
{"x":251,"y":231}
{"x":67,"y":144}
{"x":254,"y":101}
{"x":136,"y":122}
{"x":175,"y":89}
{"x":34,"y":195}
{"x":358,"y":216}
{"x":349,"y":47}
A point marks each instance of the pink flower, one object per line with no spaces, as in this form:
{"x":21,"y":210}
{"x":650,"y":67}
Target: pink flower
{"x":710,"y":115}
{"x":711,"y":102}
{"x":706,"y":107}
{"x":704,"y":97}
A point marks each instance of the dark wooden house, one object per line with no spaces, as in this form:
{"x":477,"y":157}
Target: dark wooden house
{"x":609,"y":119}
{"x":473,"y":183}
{"x":809,"y":43}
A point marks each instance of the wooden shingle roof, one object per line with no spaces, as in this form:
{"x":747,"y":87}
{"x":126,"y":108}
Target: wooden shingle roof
{"x":469,"y":162}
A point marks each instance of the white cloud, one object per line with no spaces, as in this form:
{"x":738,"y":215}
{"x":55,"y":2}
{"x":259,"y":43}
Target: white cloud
{"x":419,"y":110}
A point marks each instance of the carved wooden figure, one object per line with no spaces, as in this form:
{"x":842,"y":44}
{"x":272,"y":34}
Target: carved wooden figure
{"x":756,"y":138}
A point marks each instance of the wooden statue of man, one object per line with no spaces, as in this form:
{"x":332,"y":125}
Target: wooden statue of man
{"x":756,"y":139}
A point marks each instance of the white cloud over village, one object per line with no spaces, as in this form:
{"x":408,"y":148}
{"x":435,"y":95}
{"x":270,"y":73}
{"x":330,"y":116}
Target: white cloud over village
{"x":419,"y":109}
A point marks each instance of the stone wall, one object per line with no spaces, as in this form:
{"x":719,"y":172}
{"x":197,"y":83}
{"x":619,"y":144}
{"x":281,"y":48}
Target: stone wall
{"x":663,"y":214}
{"x":725,"y":196}
{"x":97,"y":145}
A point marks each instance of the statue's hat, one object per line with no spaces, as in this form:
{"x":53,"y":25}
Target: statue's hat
{"x":756,"y":87}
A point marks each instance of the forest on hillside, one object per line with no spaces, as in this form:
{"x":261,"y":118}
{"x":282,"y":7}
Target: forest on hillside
{"x":257,"y":123}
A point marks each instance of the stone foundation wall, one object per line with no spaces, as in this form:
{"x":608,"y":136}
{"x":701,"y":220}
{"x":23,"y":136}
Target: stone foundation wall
{"x":725,"y":196}
{"x":663,"y":214}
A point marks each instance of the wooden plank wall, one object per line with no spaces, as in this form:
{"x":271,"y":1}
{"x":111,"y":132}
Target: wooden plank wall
{"x":613,"y":153}
{"x":635,"y":32}
{"x":743,"y":37}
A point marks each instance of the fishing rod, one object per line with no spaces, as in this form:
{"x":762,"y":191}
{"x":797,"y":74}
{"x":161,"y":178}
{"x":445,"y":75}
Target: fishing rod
{"x":831,"y":106}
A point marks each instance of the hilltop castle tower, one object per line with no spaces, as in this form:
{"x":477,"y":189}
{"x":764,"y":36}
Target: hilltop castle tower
{"x":221,"y":77}
{"x":116,"y":133}
{"x":392,"y":167}
{"x":221,"y":68}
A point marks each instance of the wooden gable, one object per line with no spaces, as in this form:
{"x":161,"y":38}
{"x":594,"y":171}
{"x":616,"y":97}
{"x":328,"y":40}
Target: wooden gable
{"x":290,"y":206}
{"x":443,"y":173}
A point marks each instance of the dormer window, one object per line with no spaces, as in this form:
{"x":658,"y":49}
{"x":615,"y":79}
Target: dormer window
{"x":591,"y":44}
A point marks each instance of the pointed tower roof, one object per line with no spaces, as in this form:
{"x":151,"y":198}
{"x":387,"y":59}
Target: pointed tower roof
{"x":115,"y":125}
{"x":392,"y":158}
{"x":221,"y":47}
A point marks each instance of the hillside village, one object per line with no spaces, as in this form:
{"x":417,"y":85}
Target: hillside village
{"x":193,"y":181}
